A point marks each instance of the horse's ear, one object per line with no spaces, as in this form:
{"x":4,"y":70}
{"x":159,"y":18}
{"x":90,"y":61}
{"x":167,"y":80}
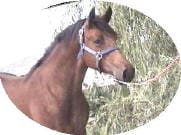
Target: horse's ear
{"x":107,"y":16}
{"x":92,"y":16}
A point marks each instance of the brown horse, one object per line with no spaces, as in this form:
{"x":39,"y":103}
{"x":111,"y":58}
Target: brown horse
{"x":51,"y":93}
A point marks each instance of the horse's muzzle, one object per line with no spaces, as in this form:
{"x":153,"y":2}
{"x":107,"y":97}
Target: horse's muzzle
{"x":125,"y":75}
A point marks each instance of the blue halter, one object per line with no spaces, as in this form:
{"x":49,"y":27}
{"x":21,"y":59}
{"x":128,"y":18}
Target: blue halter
{"x":98,"y":54}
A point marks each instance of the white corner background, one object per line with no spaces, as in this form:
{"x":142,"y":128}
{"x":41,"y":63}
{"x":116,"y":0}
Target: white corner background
{"x":21,"y":26}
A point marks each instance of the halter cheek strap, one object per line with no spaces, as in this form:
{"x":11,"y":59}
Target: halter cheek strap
{"x":98,"y":54}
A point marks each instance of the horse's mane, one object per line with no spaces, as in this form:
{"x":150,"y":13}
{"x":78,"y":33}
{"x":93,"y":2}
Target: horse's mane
{"x":67,"y":34}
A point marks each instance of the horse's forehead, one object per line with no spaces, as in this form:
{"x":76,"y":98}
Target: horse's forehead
{"x":96,"y":32}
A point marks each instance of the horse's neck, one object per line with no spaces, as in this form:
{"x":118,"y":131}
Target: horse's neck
{"x":63,"y":68}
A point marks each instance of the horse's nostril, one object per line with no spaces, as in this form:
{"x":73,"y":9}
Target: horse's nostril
{"x":128,"y":74}
{"x":125,"y":75}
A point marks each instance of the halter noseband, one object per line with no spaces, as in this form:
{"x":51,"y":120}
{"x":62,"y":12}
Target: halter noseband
{"x":98,"y":54}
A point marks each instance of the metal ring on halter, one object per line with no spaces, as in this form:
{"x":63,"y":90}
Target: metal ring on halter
{"x":99,"y":56}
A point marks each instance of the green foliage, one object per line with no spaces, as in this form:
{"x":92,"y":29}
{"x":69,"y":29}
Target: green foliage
{"x":149,"y":48}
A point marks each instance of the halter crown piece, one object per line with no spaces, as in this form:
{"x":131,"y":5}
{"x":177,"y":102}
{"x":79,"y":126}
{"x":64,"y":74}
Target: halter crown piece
{"x":98,"y":54}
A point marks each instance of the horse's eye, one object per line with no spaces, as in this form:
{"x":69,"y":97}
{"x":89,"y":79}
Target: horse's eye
{"x":98,"y":41}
